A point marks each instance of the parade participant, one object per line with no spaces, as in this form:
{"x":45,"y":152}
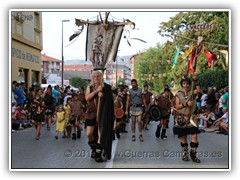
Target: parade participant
{"x":49,"y":101}
{"x":185,"y":120}
{"x":60,"y":123}
{"x":171,"y":100}
{"x":147,"y":96}
{"x":124,"y":118}
{"x":76,"y":117}
{"x":38,"y":111}
{"x":67,"y":110}
{"x":164,"y":104}
{"x":99,"y":117}
{"x":118,"y":104}
{"x":135,"y":101}
{"x":81,"y":97}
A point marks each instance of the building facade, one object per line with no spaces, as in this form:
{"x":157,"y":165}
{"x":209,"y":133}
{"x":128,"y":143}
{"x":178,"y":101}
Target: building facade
{"x":118,"y":71}
{"x":50,"y":65}
{"x":26,"y":46}
{"x":133,"y":62}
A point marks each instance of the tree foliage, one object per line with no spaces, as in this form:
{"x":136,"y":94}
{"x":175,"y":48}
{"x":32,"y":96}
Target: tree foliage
{"x":154,"y":66}
{"x":77,"y":82}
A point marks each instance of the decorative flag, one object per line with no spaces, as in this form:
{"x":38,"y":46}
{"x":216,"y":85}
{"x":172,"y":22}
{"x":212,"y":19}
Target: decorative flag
{"x":192,"y":61}
{"x":225,"y":53}
{"x":174,"y":61}
{"x":102,"y":44}
{"x":187,"y":52}
{"x":211,"y":57}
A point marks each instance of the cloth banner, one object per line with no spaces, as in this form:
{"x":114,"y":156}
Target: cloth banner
{"x":192,"y":62}
{"x":225,"y":53}
{"x":187,"y":52}
{"x":174,"y":61}
{"x":211,"y":57}
{"x":102,"y":45}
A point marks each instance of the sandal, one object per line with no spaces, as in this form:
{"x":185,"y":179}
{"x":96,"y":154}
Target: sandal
{"x":133,"y":138}
{"x":141,"y":138}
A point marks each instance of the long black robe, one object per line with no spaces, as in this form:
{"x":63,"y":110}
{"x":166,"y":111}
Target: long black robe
{"x":106,"y":120}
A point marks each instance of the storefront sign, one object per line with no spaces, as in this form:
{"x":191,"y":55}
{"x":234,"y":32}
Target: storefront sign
{"x":17,"y":53}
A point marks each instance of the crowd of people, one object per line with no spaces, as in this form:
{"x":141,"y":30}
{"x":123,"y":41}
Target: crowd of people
{"x":104,"y":112}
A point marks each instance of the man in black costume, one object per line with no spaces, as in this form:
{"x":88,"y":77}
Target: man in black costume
{"x":100,"y":117}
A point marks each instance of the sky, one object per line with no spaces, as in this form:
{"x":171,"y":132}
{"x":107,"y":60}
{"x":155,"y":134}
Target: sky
{"x":147,"y":25}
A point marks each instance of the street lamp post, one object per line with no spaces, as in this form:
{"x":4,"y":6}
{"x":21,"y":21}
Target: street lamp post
{"x":116,"y":72}
{"x":62,"y":52}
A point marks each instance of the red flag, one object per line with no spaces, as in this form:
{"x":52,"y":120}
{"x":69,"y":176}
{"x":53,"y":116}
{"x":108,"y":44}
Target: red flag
{"x":191,"y":61}
{"x":209,"y":56}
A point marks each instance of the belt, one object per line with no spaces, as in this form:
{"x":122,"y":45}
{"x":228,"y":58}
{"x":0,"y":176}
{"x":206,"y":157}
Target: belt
{"x":136,"y":105}
{"x":182,"y":114}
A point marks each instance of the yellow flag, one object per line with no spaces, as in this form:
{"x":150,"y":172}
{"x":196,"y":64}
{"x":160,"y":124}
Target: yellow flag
{"x":226,"y":54}
{"x":187,"y":52}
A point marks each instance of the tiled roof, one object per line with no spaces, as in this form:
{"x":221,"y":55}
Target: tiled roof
{"x":44,"y":57}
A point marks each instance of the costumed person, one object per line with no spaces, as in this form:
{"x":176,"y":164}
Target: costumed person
{"x":171,"y":100}
{"x":76,"y":117}
{"x":135,"y":101}
{"x":81,"y":97}
{"x":124,"y":118}
{"x":38,"y":111}
{"x":118,"y":105}
{"x":99,"y":117}
{"x":185,"y":119}
{"x":147,"y":96}
{"x":164,"y":104}
{"x":49,"y":101}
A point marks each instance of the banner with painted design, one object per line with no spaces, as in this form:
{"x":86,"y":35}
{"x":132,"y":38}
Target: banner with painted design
{"x":102,"y":44}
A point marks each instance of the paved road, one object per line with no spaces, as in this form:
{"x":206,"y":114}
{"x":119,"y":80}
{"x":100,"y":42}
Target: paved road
{"x":153,"y":153}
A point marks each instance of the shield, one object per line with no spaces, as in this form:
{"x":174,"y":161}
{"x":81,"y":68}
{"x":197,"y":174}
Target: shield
{"x":118,"y":113}
{"x":155,"y":113}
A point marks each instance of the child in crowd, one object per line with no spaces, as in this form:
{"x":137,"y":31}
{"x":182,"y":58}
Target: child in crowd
{"x":67,"y":110}
{"x":60,"y":123}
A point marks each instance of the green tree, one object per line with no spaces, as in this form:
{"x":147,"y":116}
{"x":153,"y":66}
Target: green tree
{"x":77,"y":82}
{"x":154,"y":66}
{"x":120,"y":81}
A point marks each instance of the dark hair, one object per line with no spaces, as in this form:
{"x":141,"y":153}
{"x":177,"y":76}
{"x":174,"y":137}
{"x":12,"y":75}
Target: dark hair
{"x":49,"y":86}
{"x":69,"y":98}
{"x":134,"y":80}
{"x":185,"y":79}
{"x":145,"y":85}
{"x":115,"y":91}
{"x":166,"y":90}
{"x":74,"y":94}
{"x":31,"y":89}
{"x":14,"y":82}
{"x":166,"y":86}
{"x":125,"y":86}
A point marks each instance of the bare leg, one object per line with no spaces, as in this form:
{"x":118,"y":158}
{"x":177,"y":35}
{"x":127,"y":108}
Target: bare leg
{"x":133,"y":124}
{"x":139,"y":118}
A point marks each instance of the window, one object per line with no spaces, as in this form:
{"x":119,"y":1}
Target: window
{"x":37,"y":22}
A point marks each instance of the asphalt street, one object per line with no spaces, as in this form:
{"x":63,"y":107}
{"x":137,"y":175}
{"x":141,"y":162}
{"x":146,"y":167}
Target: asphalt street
{"x":153,"y":153}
